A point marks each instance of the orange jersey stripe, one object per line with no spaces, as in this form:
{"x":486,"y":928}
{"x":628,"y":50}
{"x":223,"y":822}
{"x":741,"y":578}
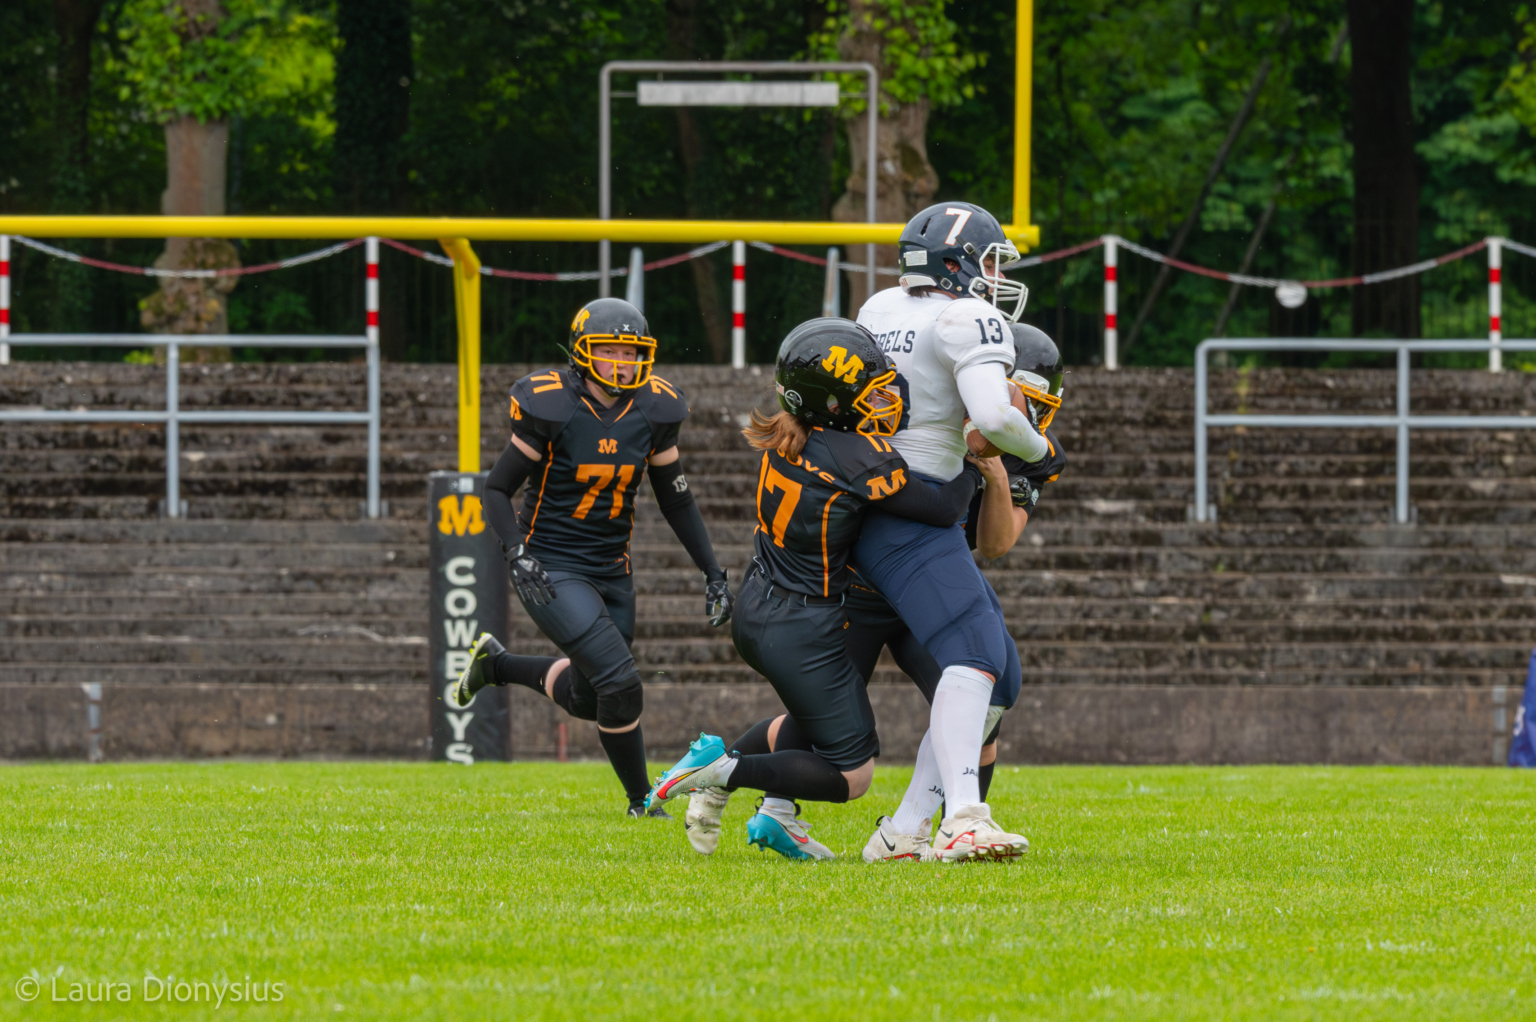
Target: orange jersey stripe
{"x":826,"y":564}
{"x":550,"y":460}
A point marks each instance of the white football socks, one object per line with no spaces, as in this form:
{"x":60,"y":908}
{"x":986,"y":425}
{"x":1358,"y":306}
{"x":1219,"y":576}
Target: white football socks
{"x":778,"y":807}
{"x":959,"y":714}
{"x":923,"y":795}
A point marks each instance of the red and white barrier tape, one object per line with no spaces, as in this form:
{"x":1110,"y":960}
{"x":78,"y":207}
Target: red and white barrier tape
{"x":623,"y":271}
{"x":154,"y":271}
{"x":1366,"y":278}
{"x":704,"y":250}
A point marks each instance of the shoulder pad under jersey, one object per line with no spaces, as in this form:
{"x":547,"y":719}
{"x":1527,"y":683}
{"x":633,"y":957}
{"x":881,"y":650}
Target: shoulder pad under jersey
{"x":972,"y":331}
{"x":660,"y":401}
{"x":859,"y":457}
{"x":546,"y":395}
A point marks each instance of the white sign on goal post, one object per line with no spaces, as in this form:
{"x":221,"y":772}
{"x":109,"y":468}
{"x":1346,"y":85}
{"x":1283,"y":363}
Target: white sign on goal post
{"x":720,"y":92}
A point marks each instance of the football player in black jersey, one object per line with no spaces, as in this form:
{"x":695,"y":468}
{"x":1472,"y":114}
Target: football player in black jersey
{"x":824,"y":463}
{"x":996,"y":518}
{"x":582,"y":438}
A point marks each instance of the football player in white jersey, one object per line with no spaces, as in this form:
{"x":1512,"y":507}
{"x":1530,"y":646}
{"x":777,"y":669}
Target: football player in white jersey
{"x":947,"y":329}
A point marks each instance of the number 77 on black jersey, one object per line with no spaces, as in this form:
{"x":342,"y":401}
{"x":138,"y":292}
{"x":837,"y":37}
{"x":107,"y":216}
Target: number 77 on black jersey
{"x":810,"y":508}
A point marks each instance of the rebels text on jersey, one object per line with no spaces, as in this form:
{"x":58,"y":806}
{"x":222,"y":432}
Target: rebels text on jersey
{"x":810,"y":508}
{"x":578,"y":511}
{"x":931,"y":338}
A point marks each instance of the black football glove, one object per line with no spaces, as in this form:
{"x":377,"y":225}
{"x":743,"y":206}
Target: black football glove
{"x":718,"y":600}
{"x":1041,"y":472}
{"x":1023,"y":491}
{"x":528,"y":576}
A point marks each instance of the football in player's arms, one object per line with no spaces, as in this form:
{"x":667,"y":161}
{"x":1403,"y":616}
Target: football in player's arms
{"x":947,"y":329}
{"x":582,"y":437}
{"x":993,"y":524}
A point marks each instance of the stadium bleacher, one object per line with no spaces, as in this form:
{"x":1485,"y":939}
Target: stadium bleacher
{"x":1302,"y":627}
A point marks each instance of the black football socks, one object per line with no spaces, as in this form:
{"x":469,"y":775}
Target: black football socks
{"x":626,"y":751}
{"x":792,"y":774}
{"x":984,"y":779}
{"x":754,"y":742}
{"x":527,"y":671}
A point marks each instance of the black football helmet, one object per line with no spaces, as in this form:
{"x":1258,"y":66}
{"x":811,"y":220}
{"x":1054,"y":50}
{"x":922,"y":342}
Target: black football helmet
{"x":968,"y":236}
{"x":1038,"y":371}
{"x":831,"y":373}
{"x":612,"y":321}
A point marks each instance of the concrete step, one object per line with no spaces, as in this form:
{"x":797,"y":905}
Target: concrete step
{"x":682,"y":613}
{"x":1100,"y":472}
{"x":340,"y":649}
{"x":657,"y":631}
{"x":173,"y":604}
{"x":73,"y":673}
{"x":222,"y":532}
{"x":136,"y":559}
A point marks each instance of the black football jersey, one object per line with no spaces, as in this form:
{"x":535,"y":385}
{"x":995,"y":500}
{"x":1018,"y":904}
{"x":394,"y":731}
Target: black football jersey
{"x":579,"y":508}
{"x":810,"y":508}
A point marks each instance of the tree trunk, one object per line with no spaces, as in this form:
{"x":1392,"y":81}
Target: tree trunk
{"x":681,"y":32}
{"x":195,"y":155}
{"x":1386,"y":175}
{"x":905,"y":182}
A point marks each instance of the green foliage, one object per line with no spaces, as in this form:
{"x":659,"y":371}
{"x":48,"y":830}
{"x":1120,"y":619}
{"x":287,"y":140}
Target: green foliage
{"x":1130,"y":100}
{"x":178,"y":65}
{"x":921,"y":58}
{"x":261,"y":55}
{"x":436,"y":891}
{"x":140,"y":357}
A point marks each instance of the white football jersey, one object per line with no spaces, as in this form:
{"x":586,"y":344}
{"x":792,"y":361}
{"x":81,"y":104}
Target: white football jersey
{"x":931,"y":338}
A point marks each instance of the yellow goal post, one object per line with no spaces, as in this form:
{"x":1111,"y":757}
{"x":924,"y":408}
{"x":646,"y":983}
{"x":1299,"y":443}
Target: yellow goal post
{"x":455,"y":234}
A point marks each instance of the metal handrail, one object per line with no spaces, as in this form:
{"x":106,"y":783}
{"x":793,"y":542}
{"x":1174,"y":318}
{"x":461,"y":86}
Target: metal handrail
{"x":1402,"y":421}
{"x":173,"y":416}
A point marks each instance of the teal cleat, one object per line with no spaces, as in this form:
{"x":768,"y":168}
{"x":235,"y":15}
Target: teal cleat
{"x":774,"y":828}
{"x":706,"y":765}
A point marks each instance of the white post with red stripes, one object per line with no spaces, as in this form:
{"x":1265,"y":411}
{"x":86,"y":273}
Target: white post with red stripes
{"x":1495,"y":303}
{"x":1111,"y":303}
{"x":371,"y":305}
{"x":738,"y":305}
{"x":5,"y":298}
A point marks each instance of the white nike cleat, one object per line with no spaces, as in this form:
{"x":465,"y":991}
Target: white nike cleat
{"x":971,"y":833}
{"x":705,"y":808}
{"x":886,"y":844}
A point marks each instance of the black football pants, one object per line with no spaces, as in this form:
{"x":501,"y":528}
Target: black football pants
{"x":592,"y":620}
{"x":797,"y":644}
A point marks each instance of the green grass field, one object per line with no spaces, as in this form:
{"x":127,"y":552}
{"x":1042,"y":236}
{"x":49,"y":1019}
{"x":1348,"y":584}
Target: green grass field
{"x":432,"y":891}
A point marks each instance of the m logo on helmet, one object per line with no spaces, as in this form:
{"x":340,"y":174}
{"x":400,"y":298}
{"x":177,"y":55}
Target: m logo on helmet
{"x":844,"y":366}
{"x":580,"y":320}
{"x":459,"y":519}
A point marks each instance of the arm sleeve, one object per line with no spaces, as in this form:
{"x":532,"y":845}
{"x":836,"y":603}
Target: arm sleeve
{"x":682,"y":513}
{"x":935,"y":505}
{"x":512,"y":469}
{"x":984,"y":390}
